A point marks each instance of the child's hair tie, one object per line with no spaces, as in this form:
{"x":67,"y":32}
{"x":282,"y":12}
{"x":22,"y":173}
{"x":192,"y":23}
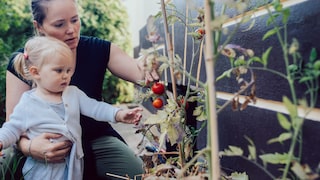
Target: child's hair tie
{"x":25,"y":55}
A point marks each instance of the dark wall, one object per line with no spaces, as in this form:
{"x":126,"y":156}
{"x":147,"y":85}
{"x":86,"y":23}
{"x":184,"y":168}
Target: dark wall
{"x":259,"y":124}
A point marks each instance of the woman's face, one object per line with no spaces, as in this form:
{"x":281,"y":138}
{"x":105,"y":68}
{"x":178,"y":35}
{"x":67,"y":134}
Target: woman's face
{"x":61,"y":22}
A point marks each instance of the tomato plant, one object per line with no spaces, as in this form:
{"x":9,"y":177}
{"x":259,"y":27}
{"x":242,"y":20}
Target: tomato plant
{"x":157,"y":103}
{"x":158,"y":88}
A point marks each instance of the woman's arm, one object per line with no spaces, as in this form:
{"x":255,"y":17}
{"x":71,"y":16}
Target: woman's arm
{"x":14,"y":89}
{"x":55,"y":152}
{"x":128,"y":68}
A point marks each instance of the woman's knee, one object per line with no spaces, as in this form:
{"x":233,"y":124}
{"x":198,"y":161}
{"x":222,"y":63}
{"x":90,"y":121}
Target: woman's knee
{"x":114,"y":157}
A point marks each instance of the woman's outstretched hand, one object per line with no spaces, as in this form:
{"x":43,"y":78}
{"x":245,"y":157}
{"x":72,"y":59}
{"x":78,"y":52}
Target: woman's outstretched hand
{"x":45,"y":148}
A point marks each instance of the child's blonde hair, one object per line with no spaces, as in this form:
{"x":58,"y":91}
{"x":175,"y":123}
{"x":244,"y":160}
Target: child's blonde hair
{"x":37,"y":51}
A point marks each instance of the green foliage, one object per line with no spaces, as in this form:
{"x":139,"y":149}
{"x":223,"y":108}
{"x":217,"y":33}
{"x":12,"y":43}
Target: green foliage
{"x":10,"y":160}
{"x":15,"y":28}
{"x":116,"y":90}
{"x":109,"y":20}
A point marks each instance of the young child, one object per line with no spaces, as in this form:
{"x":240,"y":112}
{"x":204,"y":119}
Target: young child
{"x":54,"y":106}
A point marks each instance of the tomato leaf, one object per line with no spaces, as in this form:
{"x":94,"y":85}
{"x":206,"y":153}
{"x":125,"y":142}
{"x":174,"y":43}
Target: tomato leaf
{"x":239,"y":176}
{"x":313,"y":55}
{"x":252,"y":149}
{"x":265,"y":56}
{"x":285,"y":17}
{"x":162,"y":139}
{"x":197,"y":111}
{"x":292,"y":109}
{"x":269,"y":33}
{"x":232,"y":151}
{"x":284,"y":122}
{"x":158,"y":118}
{"x":299,"y":171}
{"x":174,"y":133}
{"x":225,"y":74}
{"x":275,"y":158}
{"x":281,"y":138}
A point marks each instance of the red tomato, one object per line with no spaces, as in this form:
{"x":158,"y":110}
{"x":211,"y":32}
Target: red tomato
{"x":181,"y":101}
{"x":157,"y":103}
{"x":157,"y":88}
{"x":200,"y":33}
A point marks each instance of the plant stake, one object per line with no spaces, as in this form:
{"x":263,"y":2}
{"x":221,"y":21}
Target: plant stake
{"x":214,"y":163}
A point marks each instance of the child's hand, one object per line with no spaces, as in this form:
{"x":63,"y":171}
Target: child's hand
{"x":129,"y":116}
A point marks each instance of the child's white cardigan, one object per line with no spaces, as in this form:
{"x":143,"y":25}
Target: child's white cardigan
{"x":34,"y":116}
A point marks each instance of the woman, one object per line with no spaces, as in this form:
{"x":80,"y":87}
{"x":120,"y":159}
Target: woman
{"x":104,"y":149}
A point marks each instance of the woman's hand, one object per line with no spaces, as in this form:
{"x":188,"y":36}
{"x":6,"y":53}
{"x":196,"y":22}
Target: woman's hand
{"x":151,"y":76}
{"x":42,"y":148}
{"x":150,"y":68}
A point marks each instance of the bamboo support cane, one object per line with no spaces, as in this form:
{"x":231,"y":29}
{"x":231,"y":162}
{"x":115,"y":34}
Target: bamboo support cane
{"x":185,"y":44}
{"x":211,"y":96}
{"x":169,"y":49}
{"x":199,"y":63}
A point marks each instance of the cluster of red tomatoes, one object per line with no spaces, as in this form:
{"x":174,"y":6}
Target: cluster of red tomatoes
{"x":158,"y":88}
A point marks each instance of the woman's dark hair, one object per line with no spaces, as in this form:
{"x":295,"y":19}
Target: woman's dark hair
{"x":38,"y":10}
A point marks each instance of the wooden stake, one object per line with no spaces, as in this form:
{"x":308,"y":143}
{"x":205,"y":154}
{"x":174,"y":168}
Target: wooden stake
{"x":199,"y":63}
{"x":169,"y":49}
{"x":185,"y":44}
{"x":213,"y":140}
